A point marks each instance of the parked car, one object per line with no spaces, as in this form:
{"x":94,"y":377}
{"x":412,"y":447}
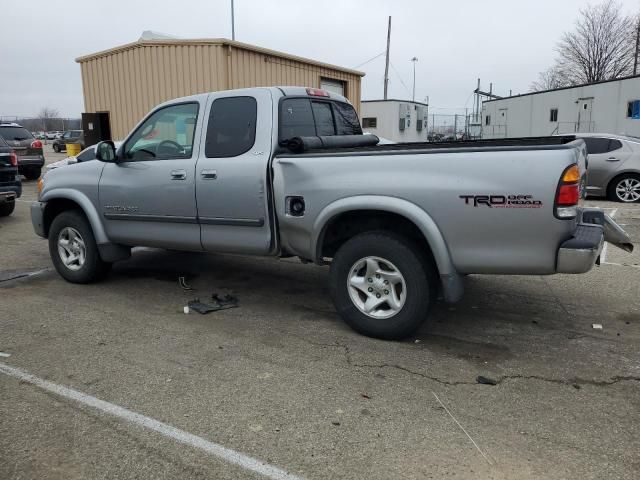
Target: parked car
{"x":69,"y":136}
{"x":51,"y":135}
{"x":27,"y":148}
{"x":85,"y":155}
{"x":287,"y":172}
{"x":614,"y":166}
{"x":10,"y":185}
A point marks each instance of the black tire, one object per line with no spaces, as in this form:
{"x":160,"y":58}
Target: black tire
{"x":611,"y":190}
{"x":33,"y":173}
{"x":6,"y":209}
{"x":56,"y":148}
{"x":419,"y":275}
{"x":93,"y":268}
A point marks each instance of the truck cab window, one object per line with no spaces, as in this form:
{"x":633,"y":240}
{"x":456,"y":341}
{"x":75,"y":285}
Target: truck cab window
{"x":167,"y":133}
{"x":231,"y":130}
{"x":302,"y":117}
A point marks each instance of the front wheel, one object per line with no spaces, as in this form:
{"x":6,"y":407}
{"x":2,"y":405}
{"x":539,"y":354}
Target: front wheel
{"x":382,"y":285}
{"x":73,"y":249}
{"x":625,"y":188}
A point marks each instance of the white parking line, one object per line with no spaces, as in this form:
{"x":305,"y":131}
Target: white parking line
{"x":603,"y":254}
{"x":217,"y":450}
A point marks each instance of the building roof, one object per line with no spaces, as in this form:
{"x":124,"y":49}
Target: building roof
{"x":395,"y":100}
{"x":564,"y":88}
{"x":212,"y":41}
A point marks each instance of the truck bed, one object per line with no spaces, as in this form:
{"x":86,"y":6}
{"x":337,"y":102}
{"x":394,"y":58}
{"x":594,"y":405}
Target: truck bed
{"x":511,"y":144}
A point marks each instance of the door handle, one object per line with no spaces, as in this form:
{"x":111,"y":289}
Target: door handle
{"x":209,"y":174}
{"x":178,"y":174}
{"x":613,"y":159}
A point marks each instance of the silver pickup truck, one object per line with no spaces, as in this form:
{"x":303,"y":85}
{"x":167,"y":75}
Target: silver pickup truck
{"x":287,"y":172}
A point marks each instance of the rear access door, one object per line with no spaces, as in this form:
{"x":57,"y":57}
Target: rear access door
{"x":231,"y":173}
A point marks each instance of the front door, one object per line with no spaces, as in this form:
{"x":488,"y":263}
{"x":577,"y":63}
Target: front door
{"x":232,"y":183}
{"x":148,"y":198}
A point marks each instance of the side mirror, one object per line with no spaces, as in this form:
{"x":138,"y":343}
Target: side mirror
{"x":106,"y":151}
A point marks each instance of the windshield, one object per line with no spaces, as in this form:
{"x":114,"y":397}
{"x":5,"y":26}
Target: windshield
{"x":15,"y":133}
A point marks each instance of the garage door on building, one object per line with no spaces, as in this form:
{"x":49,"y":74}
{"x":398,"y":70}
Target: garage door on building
{"x":333,"y":86}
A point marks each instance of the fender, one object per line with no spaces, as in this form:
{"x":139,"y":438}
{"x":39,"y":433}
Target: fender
{"x":451,"y":280}
{"x":85,"y":204}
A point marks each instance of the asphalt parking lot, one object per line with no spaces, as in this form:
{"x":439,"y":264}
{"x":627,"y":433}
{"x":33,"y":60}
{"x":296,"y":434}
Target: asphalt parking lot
{"x":283,"y":381}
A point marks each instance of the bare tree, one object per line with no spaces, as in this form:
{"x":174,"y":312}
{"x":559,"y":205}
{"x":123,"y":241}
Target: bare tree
{"x":551,"y":78}
{"x":601,"y":47}
{"x":48,"y":116}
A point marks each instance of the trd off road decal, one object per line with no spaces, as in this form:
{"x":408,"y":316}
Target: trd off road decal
{"x":502,"y":201}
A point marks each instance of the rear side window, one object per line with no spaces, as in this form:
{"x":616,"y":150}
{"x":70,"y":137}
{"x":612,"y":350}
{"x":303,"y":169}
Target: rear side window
{"x":301,"y":117}
{"x":15,"y":133}
{"x":346,"y":119}
{"x":231,"y":130}
{"x":597,"y":145}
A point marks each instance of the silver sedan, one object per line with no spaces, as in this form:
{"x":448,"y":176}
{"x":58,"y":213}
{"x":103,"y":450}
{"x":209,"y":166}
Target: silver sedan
{"x":614,"y":166}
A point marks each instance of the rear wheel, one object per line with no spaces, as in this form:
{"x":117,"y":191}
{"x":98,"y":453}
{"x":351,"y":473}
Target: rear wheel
{"x":73,"y":249}
{"x":625,"y":188}
{"x":382,"y":285}
{"x":56,"y":148}
{"x":6,"y":209}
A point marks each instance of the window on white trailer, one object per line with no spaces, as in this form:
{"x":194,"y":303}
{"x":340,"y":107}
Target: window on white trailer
{"x":553,"y":115}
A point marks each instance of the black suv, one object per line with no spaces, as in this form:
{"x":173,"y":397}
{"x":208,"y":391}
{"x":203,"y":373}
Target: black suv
{"x":70,"y":136}
{"x":27,"y":148}
{"x":10,"y":186}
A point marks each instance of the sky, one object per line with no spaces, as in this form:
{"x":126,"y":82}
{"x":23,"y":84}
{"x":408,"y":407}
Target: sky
{"x":506,"y":42}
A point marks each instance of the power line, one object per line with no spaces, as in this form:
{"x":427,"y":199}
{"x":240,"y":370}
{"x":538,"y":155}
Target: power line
{"x":400,"y":78}
{"x":370,"y":60}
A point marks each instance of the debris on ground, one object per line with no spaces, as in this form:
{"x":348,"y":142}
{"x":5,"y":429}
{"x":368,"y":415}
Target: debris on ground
{"x":485,"y":381}
{"x":597,"y":326}
{"x":182,"y":281}
{"x":5,"y":355}
{"x":218,"y":302}
{"x":364,"y":395}
{"x":337,"y":424}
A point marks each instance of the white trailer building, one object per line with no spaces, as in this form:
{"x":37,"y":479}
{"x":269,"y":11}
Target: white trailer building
{"x":611,"y":106}
{"x":397,"y":120}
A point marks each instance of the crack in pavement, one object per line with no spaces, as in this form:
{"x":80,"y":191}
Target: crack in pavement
{"x":576,"y":381}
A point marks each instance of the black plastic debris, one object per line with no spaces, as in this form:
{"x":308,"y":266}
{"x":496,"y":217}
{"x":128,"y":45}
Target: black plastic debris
{"x":485,"y":381}
{"x":218,"y":302}
{"x":182,"y":281}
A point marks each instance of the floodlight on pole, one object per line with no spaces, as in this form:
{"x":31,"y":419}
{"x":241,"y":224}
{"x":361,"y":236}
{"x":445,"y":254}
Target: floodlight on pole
{"x":414,"y":60}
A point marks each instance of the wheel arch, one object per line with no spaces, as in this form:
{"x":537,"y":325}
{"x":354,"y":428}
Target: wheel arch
{"x":62,"y":200}
{"x":408,"y":216}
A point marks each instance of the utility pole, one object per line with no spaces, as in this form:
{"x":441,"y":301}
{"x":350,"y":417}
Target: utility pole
{"x":635,"y":58}
{"x":386,"y":65}
{"x":233,"y":23}
{"x":414,"y":60}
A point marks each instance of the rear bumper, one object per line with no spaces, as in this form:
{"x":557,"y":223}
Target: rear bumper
{"x":8,"y":193}
{"x":579,"y":253}
{"x":37,"y":161}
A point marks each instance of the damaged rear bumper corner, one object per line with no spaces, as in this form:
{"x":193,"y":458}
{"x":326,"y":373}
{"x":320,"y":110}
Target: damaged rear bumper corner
{"x":579,"y":253}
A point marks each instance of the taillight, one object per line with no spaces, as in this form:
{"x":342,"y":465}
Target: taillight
{"x":568,"y":193}
{"x":13,"y":158}
{"x":316,"y":92}
{"x":36,"y":144}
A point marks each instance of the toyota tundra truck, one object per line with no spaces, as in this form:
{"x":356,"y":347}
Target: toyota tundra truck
{"x":286,"y":171}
